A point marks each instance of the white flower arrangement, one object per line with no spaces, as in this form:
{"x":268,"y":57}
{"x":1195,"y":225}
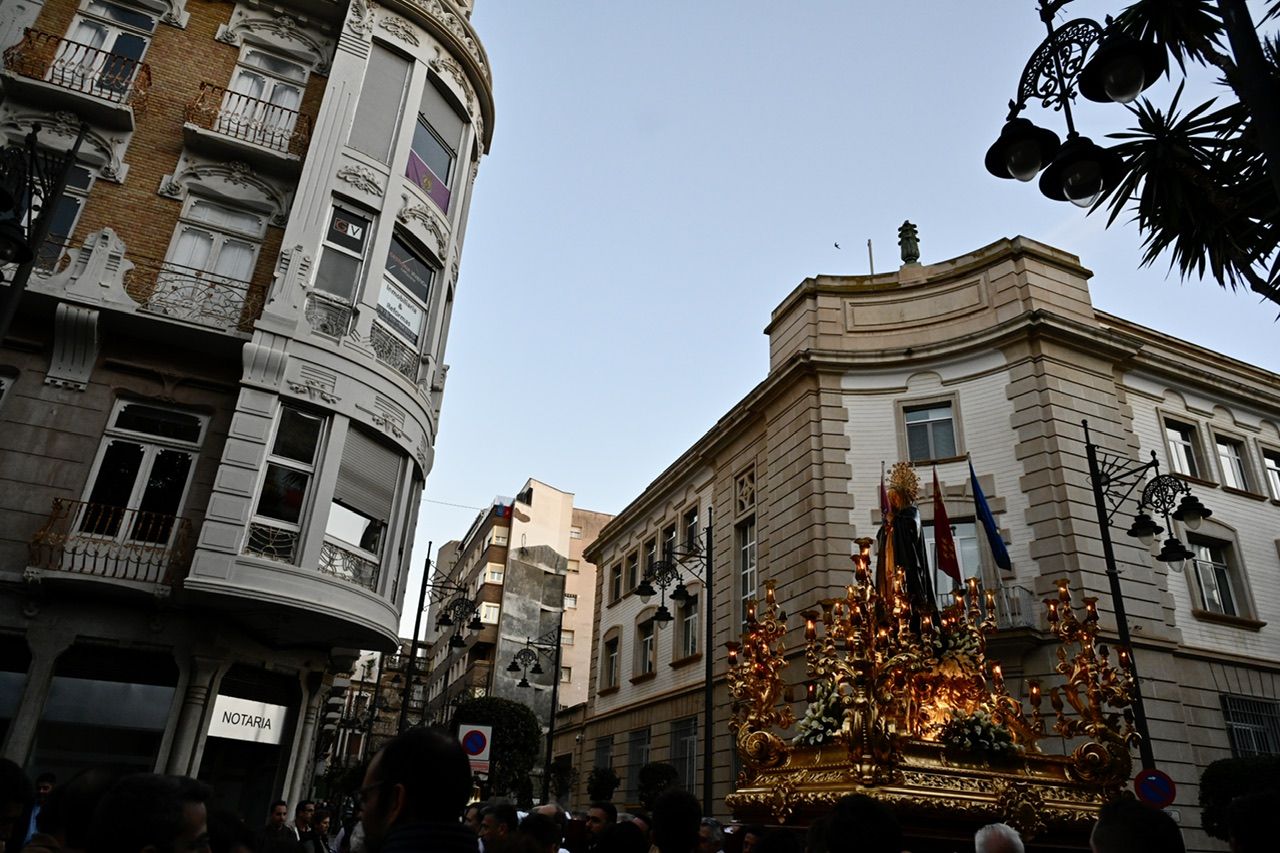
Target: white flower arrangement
{"x":824,"y":717}
{"x":977,"y":734}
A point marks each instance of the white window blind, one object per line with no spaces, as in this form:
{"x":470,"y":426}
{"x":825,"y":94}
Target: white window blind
{"x":368,"y":476}
{"x":381,"y":96}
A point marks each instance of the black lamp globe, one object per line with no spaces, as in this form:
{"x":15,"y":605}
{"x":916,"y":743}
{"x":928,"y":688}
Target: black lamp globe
{"x":475,"y":624}
{"x":13,"y":243}
{"x":1081,"y":172}
{"x":1121,"y":68}
{"x":1021,"y":151}
{"x":1191,"y":512}
{"x":1145,"y":528}
{"x":456,"y":642}
{"x":1174,"y":554}
{"x":513,"y":667}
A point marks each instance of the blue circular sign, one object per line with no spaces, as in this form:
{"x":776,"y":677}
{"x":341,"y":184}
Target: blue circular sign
{"x":1155,"y":788}
{"x":474,"y":742}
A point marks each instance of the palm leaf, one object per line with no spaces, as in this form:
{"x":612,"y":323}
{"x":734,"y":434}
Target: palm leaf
{"x":1187,"y":29}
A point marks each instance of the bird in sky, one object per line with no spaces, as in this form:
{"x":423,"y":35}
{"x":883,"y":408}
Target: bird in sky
{"x":837,"y":245}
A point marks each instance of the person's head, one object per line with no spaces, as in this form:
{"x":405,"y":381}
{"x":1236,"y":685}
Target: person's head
{"x":641,"y":819}
{"x":279,"y":813}
{"x":16,"y":796}
{"x":997,"y":838}
{"x":44,"y":786}
{"x":421,"y":775}
{"x":304,"y":814}
{"x":815,"y":840}
{"x":623,"y":837}
{"x":676,"y":816}
{"x":68,"y":813}
{"x":228,"y":834}
{"x":751,"y":836}
{"x":150,"y":813}
{"x":600,"y":816}
{"x":320,"y":821}
{"x":1128,"y":826}
{"x":497,"y":822}
{"x":710,"y":836}
{"x":557,"y":814}
{"x":471,"y":817}
{"x":866,"y":825}
{"x":543,"y":829}
{"x":1251,"y":821}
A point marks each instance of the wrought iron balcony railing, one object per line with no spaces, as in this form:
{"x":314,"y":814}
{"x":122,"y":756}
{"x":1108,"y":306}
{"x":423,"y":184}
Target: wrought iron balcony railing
{"x":111,"y":542}
{"x":348,"y":565}
{"x":80,"y":68}
{"x":1016,"y":608}
{"x":254,"y":120}
{"x":394,"y":353}
{"x":194,"y":295}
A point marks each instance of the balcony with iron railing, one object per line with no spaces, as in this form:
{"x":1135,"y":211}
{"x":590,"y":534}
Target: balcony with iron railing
{"x":193,"y":295}
{"x":56,"y":73}
{"x":111,"y":542}
{"x":221,"y":120}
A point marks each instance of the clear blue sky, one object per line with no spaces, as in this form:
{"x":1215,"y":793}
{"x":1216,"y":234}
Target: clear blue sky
{"x":664,"y":172}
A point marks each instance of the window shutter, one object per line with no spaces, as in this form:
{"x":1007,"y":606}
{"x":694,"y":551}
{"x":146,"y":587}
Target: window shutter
{"x":368,"y":476}
{"x":378,"y":113}
{"x":442,"y":117}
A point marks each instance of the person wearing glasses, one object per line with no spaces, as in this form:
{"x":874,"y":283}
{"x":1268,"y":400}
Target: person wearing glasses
{"x":414,"y":794}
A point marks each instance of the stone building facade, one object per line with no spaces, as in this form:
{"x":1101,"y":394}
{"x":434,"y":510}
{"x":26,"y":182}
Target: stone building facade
{"x":993,"y":358}
{"x":222,"y":388}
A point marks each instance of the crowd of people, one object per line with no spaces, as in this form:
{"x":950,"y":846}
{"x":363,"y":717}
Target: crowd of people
{"x":416,"y":799}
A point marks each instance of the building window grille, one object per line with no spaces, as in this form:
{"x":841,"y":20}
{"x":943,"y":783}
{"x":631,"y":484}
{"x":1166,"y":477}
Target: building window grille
{"x":615,"y":582}
{"x":611,"y":663}
{"x":1213,"y":573}
{"x":646,"y":647}
{"x":638,"y":745}
{"x":1253,"y":725}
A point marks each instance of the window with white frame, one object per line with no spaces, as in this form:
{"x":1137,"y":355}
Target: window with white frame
{"x":692,"y":533}
{"x":489,"y":613}
{"x":575,"y":532}
{"x":968,"y":554}
{"x":342,"y":253}
{"x":65,"y":216}
{"x":650,"y":555}
{"x":615,"y":582}
{"x":1233,"y":462}
{"x":1253,"y":725}
{"x":494,"y":573}
{"x":1184,"y":449}
{"x":748,"y":578}
{"x":363,"y":497}
{"x":500,"y":536}
{"x":931,"y":432}
{"x":103,"y":49}
{"x":603,"y":752}
{"x":668,"y":541}
{"x":573,"y":566}
{"x":286,"y":484}
{"x":1214,"y":576}
{"x":437,"y":139}
{"x":261,"y":104}
{"x":684,"y":751}
{"x":214,"y":241}
{"x":646,"y":647}
{"x":570,"y":601}
{"x":566,"y":674}
{"x":633,"y":571}
{"x":638,"y":744}
{"x":142,"y":471}
{"x":406,"y":292}
{"x":566,"y":637}
{"x":1271,"y":464}
{"x":386,"y":78}
{"x":688,"y":626}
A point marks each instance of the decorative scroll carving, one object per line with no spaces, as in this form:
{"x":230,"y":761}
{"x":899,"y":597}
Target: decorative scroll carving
{"x":328,"y":317}
{"x":362,"y":178}
{"x":280,"y":32}
{"x":460,"y":29}
{"x":234,"y":180}
{"x":400,"y":28}
{"x":429,"y":219}
{"x":360,"y":17}
{"x":75,"y":346}
{"x":316,"y":384}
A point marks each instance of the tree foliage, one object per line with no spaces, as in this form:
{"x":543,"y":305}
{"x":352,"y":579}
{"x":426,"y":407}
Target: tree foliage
{"x":601,"y":783}
{"x":1203,"y":184}
{"x":655,"y":778}
{"x":515,"y":748}
{"x":1228,"y":778}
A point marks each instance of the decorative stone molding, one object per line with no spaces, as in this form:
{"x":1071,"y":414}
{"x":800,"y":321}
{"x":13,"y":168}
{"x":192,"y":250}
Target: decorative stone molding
{"x":400,"y":28}
{"x":94,"y":275}
{"x":446,"y":66}
{"x":315,"y":384}
{"x":58,"y":132}
{"x":459,"y":28}
{"x":429,"y":220}
{"x":234,"y":181}
{"x":360,"y":17}
{"x":75,"y":346}
{"x":265,"y":359}
{"x":386,"y":416}
{"x":299,"y":38}
{"x":362,"y":178}
{"x":172,"y":12}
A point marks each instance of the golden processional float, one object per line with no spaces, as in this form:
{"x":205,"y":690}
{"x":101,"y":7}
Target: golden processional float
{"x":906,"y":707}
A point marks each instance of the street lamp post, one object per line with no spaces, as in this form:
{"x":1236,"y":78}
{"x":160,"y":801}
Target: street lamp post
{"x":694,"y":556}
{"x":1114,"y":479}
{"x":28,"y":174}
{"x":458,"y":611}
{"x":527,"y":661}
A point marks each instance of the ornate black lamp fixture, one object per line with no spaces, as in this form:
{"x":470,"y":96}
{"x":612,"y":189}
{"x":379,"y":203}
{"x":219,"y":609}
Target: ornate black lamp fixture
{"x":528,"y":661}
{"x":1104,"y":65}
{"x":1114,"y":479}
{"x":31,"y":180}
{"x":693,"y":557}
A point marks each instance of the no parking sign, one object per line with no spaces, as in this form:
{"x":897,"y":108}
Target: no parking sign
{"x":1155,"y":788}
{"x":475,"y":742}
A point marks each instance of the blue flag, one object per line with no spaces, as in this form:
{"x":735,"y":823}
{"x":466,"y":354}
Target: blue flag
{"x":983,"y":511}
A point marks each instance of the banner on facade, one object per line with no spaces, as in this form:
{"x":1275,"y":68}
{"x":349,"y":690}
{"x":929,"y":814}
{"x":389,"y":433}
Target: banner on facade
{"x":244,"y":719}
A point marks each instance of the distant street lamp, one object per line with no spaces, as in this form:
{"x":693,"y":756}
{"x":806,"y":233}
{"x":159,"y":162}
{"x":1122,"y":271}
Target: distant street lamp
{"x":32,"y":180}
{"x":528,"y":661}
{"x":1114,"y":479}
{"x":695,"y":558}
{"x":1118,"y":70}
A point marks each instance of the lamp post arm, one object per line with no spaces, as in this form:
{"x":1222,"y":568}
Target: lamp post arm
{"x":708,"y":693}
{"x":551,"y":716}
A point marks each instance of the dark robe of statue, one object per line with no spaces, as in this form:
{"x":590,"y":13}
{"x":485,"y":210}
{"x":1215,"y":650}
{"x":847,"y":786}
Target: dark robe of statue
{"x":900,"y":545}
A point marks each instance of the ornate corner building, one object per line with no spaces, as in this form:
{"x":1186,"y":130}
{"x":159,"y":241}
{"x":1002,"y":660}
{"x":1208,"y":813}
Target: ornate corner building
{"x":994,"y":358}
{"x":222,"y":386}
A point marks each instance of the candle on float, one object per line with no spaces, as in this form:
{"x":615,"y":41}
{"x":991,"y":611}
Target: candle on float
{"x":973,"y":586}
{"x":1091,"y":609}
{"x":991,"y":601}
{"x":810,"y":628}
{"x":997,"y":675}
{"x":1034,"y":687}
{"x":1053,"y":609}
{"x":1063,"y":593}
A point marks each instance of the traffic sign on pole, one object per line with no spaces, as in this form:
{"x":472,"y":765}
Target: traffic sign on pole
{"x":476,"y":741}
{"x":1155,"y":788}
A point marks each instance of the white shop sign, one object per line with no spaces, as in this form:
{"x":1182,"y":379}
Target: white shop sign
{"x":244,"y":719}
